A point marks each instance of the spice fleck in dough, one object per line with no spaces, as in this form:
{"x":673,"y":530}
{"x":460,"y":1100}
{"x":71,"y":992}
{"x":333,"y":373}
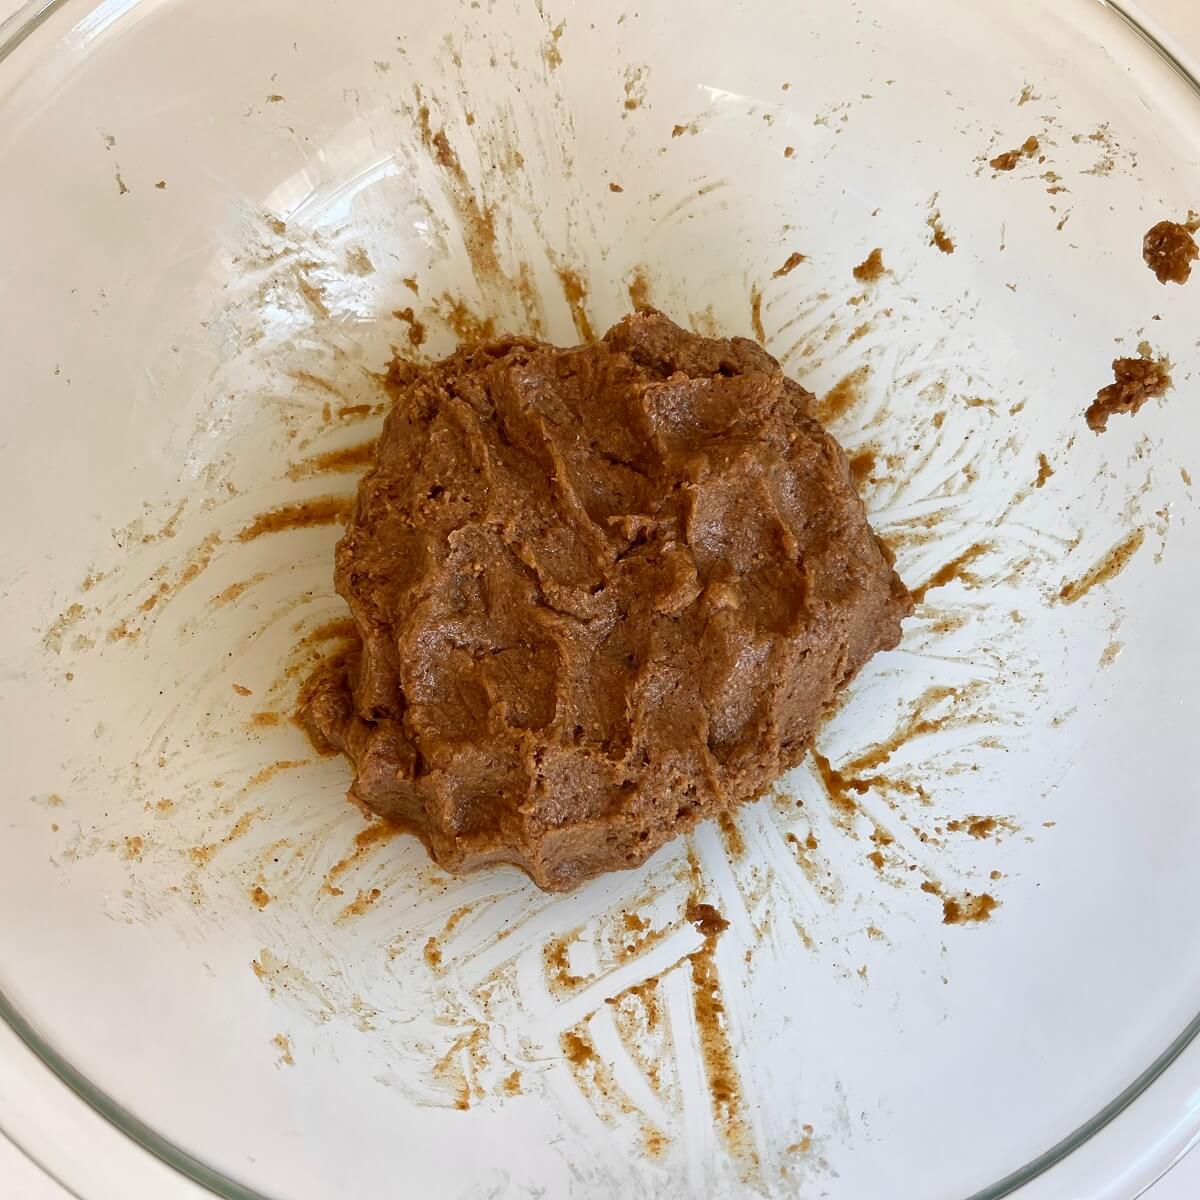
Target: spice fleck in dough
{"x":602,"y":593}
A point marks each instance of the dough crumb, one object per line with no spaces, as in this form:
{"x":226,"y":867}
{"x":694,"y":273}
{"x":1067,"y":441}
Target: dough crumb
{"x":1169,"y":249}
{"x":871,"y":268}
{"x":1010,"y":158}
{"x":1136,"y":380}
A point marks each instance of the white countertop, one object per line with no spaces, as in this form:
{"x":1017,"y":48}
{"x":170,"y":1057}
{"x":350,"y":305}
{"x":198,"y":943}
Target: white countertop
{"x":22,"y":1180}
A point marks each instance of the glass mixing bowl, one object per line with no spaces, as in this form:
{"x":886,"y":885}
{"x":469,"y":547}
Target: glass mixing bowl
{"x":963,"y":944}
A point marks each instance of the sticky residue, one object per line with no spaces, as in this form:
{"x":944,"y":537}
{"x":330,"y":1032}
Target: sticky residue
{"x":307,"y":514}
{"x":955,"y":569}
{"x":358,"y":261}
{"x":968,"y":909}
{"x":364,"y":900}
{"x":576,"y":296}
{"x":52,"y":639}
{"x":756,"y":321}
{"x":1106,"y":568}
{"x":937,"y":232}
{"x":477,"y":219}
{"x":843,"y":396}
{"x":416,"y":328}
{"x":840,"y":788}
{"x":375,"y":834}
{"x":640,"y":1017}
{"x":283,"y":1044}
{"x":977,"y":827}
{"x":452,"y":1070}
{"x":577,"y":1048}
{"x":1010,"y":158}
{"x":716,"y":1045}
{"x":871,"y":268}
{"x":271,"y":770}
{"x":556,"y":958}
{"x":550,"y":49}
{"x":705,"y":918}
{"x":792,"y":261}
{"x":856,"y":776}
{"x":467,"y":326}
{"x":639,"y":291}
{"x":731,"y":835}
{"x":635,"y":88}
{"x":202,"y":855}
{"x":198,"y":561}
{"x":235,"y":591}
{"x":348,"y":459}
{"x":862,"y":466}
{"x":595,"y":1080}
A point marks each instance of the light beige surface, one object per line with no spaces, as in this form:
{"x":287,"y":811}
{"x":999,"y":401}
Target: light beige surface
{"x":20,"y":1177}
{"x":1181,"y":18}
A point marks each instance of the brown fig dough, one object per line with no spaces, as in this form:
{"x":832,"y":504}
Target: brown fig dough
{"x":602,"y":593}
